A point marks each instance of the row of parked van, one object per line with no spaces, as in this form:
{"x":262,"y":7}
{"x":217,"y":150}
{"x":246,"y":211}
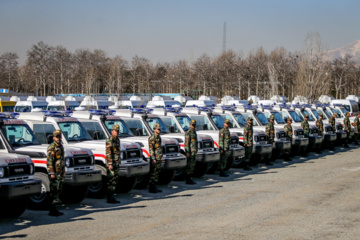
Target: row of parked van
{"x":25,"y":135}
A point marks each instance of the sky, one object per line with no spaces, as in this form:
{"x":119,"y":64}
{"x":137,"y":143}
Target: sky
{"x":169,"y":30}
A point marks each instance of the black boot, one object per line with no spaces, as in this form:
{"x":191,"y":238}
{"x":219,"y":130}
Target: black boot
{"x":189,"y":180}
{"x":54,"y":212}
{"x":223,"y":174}
{"x":346,"y":145}
{"x":246,"y":168}
{"x":111,"y":199}
{"x":154,"y":189}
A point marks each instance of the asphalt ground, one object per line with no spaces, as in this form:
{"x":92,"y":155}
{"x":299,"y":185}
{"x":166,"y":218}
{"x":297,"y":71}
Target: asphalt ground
{"x":316,"y":197}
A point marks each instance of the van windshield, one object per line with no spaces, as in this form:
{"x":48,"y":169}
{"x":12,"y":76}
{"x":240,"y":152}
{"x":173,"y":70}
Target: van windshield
{"x":218,"y":120}
{"x":262,"y":118}
{"x":202,"y":122}
{"x":246,"y":115}
{"x":124,"y":131}
{"x":153,"y":121}
{"x":311,"y":118}
{"x":240,"y":119}
{"x":19,"y":135}
{"x":74,"y":131}
{"x":184,"y":122}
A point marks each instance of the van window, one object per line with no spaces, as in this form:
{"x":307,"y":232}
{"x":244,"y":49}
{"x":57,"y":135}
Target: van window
{"x":202,"y":122}
{"x":95,"y":130}
{"x":135,"y":124}
{"x":170,"y":122}
{"x":56,"y":108}
{"x":8,"y":108}
{"x":184,"y":122}
{"x":355,"y":108}
{"x":22,"y":109}
{"x":43,"y":131}
{"x":19,"y":135}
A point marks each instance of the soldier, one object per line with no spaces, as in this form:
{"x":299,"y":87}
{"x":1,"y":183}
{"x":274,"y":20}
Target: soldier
{"x":305,"y":126}
{"x":320,"y":126}
{"x":248,"y":143}
{"x":347,"y":128}
{"x":56,"y":171}
{"x":357,"y":128}
{"x":332,"y":121}
{"x":191,"y":148}
{"x":156,"y":157}
{"x":289,"y":134}
{"x":270,"y":133}
{"x":113,"y":163}
{"x":224,"y":146}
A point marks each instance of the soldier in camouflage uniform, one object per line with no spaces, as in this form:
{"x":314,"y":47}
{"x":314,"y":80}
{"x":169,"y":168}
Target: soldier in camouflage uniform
{"x":56,"y":171}
{"x":248,"y":143}
{"x":357,"y":128}
{"x":270,"y":133}
{"x":305,"y":126}
{"x":113,"y":163}
{"x":224,"y":147}
{"x":332,"y":121}
{"x":156,"y":157}
{"x":289,"y":133}
{"x":191,"y":148}
{"x":320,"y":126}
{"x":347,"y":128}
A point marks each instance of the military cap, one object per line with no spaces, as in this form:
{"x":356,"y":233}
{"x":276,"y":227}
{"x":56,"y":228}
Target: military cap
{"x":272,"y":117}
{"x":358,"y":113}
{"x":289,"y":119}
{"x":250,"y":119}
{"x":227,"y":121}
{"x":306,"y":116}
{"x":347,"y":113}
{"x":192,"y":122}
{"x":157,"y":126}
{"x":57,"y":133}
{"x":115,"y":127}
{"x":320,"y":114}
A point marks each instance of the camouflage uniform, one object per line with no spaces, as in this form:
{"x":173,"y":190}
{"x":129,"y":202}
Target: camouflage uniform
{"x":248,"y":140}
{"x":224,"y":146}
{"x":56,"y":166}
{"x":289,"y":133}
{"x":155,"y":154}
{"x":113,"y":159}
{"x":270,"y":131}
{"x":347,"y":128}
{"x":191,"y":147}
{"x":332,"y":121}
{"x":305,"y":126}
{"x":320,"y":126}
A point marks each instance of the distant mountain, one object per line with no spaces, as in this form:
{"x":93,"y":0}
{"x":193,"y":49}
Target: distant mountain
{"x":352,"y":49}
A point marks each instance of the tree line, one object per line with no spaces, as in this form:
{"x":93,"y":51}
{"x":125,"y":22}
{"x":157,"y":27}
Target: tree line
{"x":51,"y":70}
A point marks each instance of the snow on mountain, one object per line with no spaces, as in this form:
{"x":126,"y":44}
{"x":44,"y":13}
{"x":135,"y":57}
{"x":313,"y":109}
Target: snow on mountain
{"x":352,"y":49}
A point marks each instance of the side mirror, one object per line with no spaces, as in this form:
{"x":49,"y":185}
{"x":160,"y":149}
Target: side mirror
{"x":49,"y":138}
{"x":205,"y":127}
{"x":138,"y":132}
{"x":172,"y":129}
{"x":96,"y":135}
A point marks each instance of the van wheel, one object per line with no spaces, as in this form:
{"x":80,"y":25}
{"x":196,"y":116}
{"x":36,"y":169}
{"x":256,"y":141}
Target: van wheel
{"x":41,"y":200}
{"x":166,"y":176}
{"x":213,"y":167}
{"x":229,"y":163}
{"x":73,"y":194}
{"x":200,"y":169}
{"x":179,"y":174}
{"x":12,"y":208}
{"x":142,"y":181}
{"x":125,"y":184}
{"x":98,"y":189}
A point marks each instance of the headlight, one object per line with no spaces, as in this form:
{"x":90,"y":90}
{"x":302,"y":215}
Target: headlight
{"x":122,"y":155}
{"x":2,"y":172}
{"x":92,"y":160}
{"x":67,"y":162}
{"x":31,"y":169}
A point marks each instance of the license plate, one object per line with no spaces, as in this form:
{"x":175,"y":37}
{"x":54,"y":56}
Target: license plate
{"x":171,"y":149}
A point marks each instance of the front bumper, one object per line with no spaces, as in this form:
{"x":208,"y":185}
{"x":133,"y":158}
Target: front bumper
{"x":262,"y":149}
{"x":173,"y":162}
{"x":330,"y":137}
{"x":315,"y":139}
{"x":300,"y":142}
{"x":134,"y":169}
{"x":82,"y":177}
{"x":283,"y":145}
{"x":352,"y":133}
{"x":208,"y":156}
{"x":20,"y":188}
{"x":341,"y":135}
{"x":237,"y":152}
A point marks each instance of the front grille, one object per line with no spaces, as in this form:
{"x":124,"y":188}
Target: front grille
{"x":282,"y":135}
{"x":328,"y":129}
{"x":133,"y":154}
{"x":260,"y":138}
{"x":171,"y":149}
{"x":299,"y":132}
{"x":312,"y":131}
{"x":82,"y":160}
{"x":17,"y":170}
{"x":234,"y":140}
{"x":339,"y":127}
{"x":207,"y":144}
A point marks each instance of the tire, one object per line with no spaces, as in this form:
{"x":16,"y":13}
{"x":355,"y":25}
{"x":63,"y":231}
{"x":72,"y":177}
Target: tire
{"x":73,"y":194}
{"x":125,"y":184}
{"x":254,"y":160}
{"x":166,"y":176}
{"x":200,"y":169}
{"x":238,"y":163}
{"x":98,"y":190}
{"x":179,"y":174}
{"x":229,"y":163}
{"x":12,"y":208}
{"x":142,"y":181}
{"x":42,"y":200}
{"x":213,"y":167}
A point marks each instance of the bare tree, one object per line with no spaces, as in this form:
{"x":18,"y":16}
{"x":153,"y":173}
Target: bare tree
{"x":8,"y":69}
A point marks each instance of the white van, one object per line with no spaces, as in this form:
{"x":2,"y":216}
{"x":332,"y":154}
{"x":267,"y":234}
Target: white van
{"x":28,"y":106}
{"x":350,"y":105}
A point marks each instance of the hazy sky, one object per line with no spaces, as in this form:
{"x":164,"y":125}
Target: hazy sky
{"x":172,"y":30}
